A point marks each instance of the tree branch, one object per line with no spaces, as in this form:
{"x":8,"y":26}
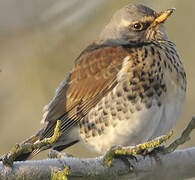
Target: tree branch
{"x":176,"y":165}
{"x":19,"y":149}
{"x":170,"y":164}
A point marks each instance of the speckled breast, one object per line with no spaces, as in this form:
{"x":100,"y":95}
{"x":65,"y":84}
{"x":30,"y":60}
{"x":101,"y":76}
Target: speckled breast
{"x":132,"y":111}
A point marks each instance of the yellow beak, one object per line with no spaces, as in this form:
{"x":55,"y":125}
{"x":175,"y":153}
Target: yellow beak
{"x":162,"y":17}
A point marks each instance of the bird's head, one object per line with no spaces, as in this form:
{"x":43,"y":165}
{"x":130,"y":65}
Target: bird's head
{"x":136,"y":23}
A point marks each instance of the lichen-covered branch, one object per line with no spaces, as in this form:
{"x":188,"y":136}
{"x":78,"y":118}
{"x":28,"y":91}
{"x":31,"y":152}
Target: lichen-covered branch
{"x":171,"y":164}
{"x":185,"y":136}
{"x":19,"y":149}
{"x":179,"y":164}
{"x":134,"y":150}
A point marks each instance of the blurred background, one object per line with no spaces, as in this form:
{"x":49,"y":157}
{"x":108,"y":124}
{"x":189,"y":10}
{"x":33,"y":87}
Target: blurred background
{"x":39,"y":41}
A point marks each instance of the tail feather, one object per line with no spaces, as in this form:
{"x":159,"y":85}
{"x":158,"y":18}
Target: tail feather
{"x":62,"y":147}
{"x":32,"y":139}
{"x":34,"y":153}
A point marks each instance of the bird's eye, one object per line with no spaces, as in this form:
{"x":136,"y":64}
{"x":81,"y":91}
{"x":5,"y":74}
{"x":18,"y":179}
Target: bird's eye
{"x":138,"y":26}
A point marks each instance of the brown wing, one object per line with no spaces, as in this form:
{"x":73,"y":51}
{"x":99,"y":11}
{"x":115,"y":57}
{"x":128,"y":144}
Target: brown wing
{"x":92,"y":77}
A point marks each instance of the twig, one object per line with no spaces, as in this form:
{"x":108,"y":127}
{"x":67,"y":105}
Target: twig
{"x":17,"y":150}
{"x":185,"y":136}
{"x":176,"y":165}
{"x":179,"y":164}
{"x":135,"y":150}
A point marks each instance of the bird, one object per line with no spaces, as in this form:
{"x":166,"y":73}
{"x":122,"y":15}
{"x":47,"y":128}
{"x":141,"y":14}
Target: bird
{"x":127,"y":87}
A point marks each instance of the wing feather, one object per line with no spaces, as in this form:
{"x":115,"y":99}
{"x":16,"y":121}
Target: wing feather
{"x":93,"y":76}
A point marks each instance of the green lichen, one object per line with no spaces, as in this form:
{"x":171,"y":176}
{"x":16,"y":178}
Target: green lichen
{"x":138,"y":149}
{"x":51,"y":140}
{"x":19,"y":149}
{"x":61,"y":175}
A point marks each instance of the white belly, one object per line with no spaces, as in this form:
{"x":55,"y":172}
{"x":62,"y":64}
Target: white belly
{"x":139,"y":126}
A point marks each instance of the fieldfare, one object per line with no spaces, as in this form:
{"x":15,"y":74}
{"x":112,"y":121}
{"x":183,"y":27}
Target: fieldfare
{"x":126,"y":88}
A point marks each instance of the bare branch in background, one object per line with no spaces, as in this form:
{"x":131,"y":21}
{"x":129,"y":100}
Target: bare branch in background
{"x":55,"y":14}
{"x":65,"y":13}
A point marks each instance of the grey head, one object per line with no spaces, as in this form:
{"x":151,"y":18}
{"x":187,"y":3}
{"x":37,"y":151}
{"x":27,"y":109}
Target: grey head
{"x":135,"y":23}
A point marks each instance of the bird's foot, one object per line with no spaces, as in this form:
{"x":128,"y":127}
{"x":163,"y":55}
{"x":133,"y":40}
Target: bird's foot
{"x":25,"y":148}
{"x":154,"y":153}
{"x":127,"y":159}
{"x":132,"y":151}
